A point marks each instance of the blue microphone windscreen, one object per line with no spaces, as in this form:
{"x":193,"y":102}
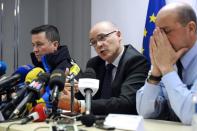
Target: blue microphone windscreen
{"x":22,"y":71}
{"x":3,"y":67}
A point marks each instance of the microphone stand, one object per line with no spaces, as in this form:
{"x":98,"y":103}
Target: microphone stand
{"x":72,"y":97}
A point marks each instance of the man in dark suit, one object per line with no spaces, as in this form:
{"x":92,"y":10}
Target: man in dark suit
{"x":128,"y":74}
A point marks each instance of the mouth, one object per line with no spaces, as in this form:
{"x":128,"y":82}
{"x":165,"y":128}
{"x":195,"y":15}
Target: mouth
{"x":103,"y":51}
{"x":37,"y":55}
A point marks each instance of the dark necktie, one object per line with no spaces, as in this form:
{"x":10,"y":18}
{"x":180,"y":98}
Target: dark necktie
{"x":179,"y":68}
{"x":106,"y":89}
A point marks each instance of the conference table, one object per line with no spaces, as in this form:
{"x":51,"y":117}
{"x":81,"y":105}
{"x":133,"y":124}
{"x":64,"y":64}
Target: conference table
{"x":149,"y":125}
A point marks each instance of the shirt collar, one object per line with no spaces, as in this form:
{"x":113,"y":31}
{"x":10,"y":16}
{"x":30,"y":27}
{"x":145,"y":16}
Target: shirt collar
{"x":189,"y":56}
{"x":116,"y":61}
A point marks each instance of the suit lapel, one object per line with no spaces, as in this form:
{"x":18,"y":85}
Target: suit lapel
{"x":122,"y":61}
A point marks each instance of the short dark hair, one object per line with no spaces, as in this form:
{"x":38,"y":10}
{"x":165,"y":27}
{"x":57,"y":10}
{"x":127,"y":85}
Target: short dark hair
{"x":52,"y":33}
{"x":186,"y":14}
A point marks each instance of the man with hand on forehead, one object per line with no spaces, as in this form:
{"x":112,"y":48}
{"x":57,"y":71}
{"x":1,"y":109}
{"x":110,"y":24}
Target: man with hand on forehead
{"x":172,"y":82}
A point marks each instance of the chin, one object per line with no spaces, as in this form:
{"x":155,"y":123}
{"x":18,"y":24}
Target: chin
{"x":39,"y":59}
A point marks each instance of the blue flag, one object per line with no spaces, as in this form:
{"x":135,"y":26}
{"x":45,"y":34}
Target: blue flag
{"x":153,"y":7}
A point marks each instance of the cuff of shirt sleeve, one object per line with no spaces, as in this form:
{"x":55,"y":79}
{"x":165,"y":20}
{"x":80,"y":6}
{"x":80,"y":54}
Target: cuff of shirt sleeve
{"x":151,"y":90}
{"x":171,"y":80}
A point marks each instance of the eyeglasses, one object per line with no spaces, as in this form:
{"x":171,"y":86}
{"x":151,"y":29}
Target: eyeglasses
{"x":100,"y":37}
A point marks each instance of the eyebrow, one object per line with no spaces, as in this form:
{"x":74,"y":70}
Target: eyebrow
{"x":91,"y":39}
{"x":163,"y":28}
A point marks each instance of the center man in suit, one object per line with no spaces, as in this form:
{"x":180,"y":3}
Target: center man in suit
{"x":129,"y":71}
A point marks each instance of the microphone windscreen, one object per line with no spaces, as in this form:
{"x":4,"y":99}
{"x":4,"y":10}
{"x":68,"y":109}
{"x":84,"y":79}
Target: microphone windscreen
{"x":22,"y":71}
{"x":44,"y":77}
{"x":57,"y":78}
{"x":3,"y":67}
{"x":75,"y":69}
{"x":41,"y":110}
{"x":33,"y":74}
{"x":89,"y":73}
{"x":88,"y":120}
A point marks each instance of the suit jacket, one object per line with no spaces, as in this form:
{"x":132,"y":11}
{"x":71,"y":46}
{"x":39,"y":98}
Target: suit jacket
{"x":130,"y":76}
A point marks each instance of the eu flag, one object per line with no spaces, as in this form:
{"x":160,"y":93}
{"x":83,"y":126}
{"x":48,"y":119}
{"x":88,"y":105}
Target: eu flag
{"x":153,"y":7}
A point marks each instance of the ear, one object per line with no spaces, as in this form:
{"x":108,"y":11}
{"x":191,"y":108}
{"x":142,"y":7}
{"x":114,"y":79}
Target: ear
{"x":192,"y":27}
{"x":119,"y":34}
{"x":55,"y":44}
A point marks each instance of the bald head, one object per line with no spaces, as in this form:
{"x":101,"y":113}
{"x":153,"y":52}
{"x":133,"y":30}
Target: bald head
{"x":181,"y":11}
{"x":103,"y":26}
{"x":106,"y":39}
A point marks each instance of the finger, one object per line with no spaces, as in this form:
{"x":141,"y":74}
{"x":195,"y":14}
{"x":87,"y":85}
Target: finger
{"x":180,"y":52}
{"x":67,"y":72}
{"x":67,"y":84}
{"x":154,"y":50}
{"x":65,"y":91}
{"x":151,"y":48}
{"x":159,"y":38}
{"x":67,"y":88}
{"x":167,"y":42}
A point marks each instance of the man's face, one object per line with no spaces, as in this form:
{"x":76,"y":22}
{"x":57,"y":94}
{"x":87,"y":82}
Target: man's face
{"x":42,"y":46}
{"x":177,"y":34}
{"x":106,"y":42}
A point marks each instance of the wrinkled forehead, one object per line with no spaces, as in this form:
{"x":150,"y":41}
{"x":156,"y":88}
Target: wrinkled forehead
{"x":166,"y":17}
{"x":100,"y":28}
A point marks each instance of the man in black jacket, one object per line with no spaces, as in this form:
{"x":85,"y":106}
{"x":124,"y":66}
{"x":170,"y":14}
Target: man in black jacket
{"x":47,"y":52}
{"x":128,"y":74}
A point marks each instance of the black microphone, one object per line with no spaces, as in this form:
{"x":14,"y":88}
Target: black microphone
{"x":17,"y":77}
{"x":88,"y":86}
{"x":9,"y":107}
{"x":34,"y":92}
{"x":56,"y":84}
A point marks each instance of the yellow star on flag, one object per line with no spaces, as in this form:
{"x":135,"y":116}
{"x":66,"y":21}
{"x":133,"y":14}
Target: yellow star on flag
{"x":142,"y":50}
{"x":145,"y":32}
{"x":152,"y":18}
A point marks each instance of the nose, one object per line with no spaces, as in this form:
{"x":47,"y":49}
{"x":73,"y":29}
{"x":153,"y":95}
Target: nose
{"x":99,"y":43}
{"x":35,"y":49}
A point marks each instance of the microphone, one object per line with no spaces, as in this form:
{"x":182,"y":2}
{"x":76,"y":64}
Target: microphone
{"x":74,"y":71}
{"x":17,"y":77}
{"x":35,"y":90}
{"x":31,"y":117}
{"x":42,"y":112}
{"x":88,"y":86}
{"x":56,"y":83}
{"x":3,"y":67}
{"x":38,"y":114}
{"x":33,"y":74}
{"x":9,"y":107}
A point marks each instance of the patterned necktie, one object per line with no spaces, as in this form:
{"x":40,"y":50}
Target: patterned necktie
{"x":106,"y":87}
{"x":179,"y":68}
